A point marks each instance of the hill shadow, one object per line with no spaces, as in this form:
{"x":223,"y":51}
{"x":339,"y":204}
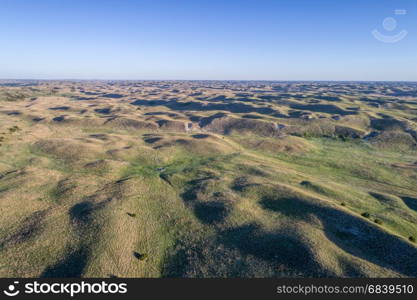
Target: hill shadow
{"x":80,"y":212}
{"x":410,"y":202}
{"x":232,"y":107}
{"x":352,"y":234}
{"x":276,"y":247}
{"x":211,"y":212}
{"x":323,"y":108}
{"x":71,"y":266}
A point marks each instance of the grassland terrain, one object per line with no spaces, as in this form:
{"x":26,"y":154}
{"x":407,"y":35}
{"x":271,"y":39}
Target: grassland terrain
{"x":208,"y":179}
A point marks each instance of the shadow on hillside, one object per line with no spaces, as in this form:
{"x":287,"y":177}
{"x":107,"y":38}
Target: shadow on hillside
{"x":211,"y":212}
{"x":410,"y":202}
{"x":80,"y":212}
{"x":353,"y":234}
{"x":243,"y":251}
{"x":29,"y":228}
{"x":278,"y":248}
{"x":71,"y":266}
{"x":209,"y":209}
{"x":113,"y":96}
{"x":323,"y":108}
{"x":60,"y":108}
{"x":232,"y":107}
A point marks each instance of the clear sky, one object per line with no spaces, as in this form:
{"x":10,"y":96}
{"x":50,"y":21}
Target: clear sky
{"x":216,"y":39}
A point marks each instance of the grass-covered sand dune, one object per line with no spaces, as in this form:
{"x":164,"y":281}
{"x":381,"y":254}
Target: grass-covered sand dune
{"x":208,"y":179}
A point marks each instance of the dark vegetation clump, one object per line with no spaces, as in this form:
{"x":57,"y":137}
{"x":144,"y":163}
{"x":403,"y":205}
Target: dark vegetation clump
{"x":140,"y":256}
{"x":366,"y":215}
{"x":378,"y":221}
{"x":412,"y":239}
{"x":14,"y":129}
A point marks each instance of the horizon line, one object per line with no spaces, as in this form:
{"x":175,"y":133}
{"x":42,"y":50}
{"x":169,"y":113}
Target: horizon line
{"x":237,"y":80}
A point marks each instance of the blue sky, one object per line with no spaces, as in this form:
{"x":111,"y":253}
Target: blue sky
{"x":262,"y":40}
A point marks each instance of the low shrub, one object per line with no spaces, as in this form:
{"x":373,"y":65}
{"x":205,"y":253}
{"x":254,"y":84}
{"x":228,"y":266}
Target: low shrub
{"x":14,"y":128}
{"x":140,"y":256}
{"x":378,"y":221}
